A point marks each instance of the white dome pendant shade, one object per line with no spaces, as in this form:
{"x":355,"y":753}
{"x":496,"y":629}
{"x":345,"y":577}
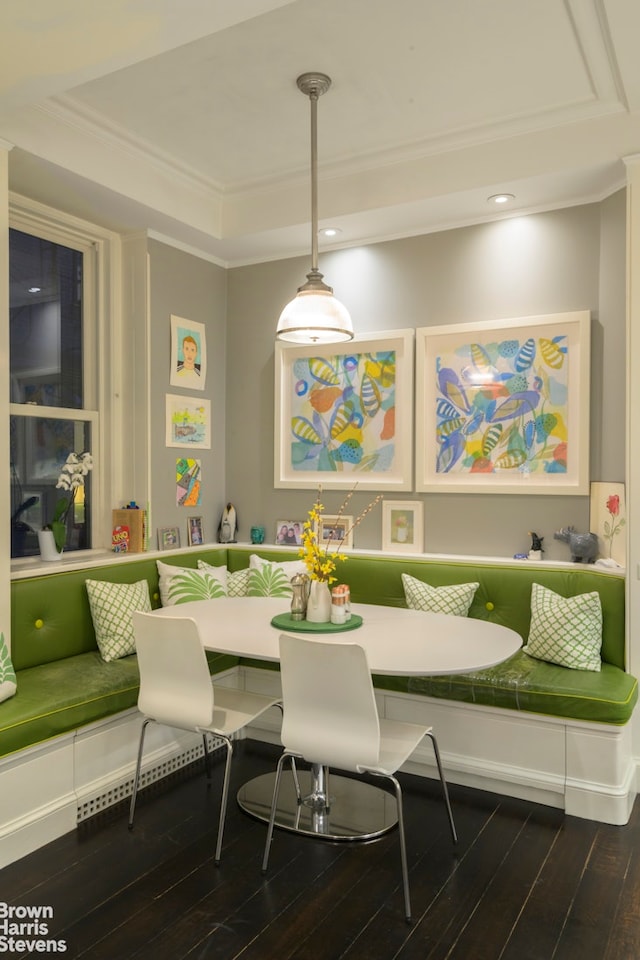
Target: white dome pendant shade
{"x":314,"y":315}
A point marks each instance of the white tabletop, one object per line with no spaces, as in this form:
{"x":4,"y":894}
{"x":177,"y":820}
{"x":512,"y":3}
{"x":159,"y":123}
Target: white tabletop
{"x":396,"y":640}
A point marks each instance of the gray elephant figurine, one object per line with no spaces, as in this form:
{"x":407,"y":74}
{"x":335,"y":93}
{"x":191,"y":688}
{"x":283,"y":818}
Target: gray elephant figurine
{"x":583,"y":546}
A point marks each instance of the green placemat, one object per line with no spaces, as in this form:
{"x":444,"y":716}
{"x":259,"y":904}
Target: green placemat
{"x":284,"y":621}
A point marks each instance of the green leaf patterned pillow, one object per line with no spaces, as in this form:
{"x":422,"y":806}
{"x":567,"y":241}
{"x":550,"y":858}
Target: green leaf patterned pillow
{"x":565,"y":630}
{"x":453,"y":599}
{"x":8,"y":684}
{"x":237,"y":580}
{"x":111,"y":607}
{"x":182,"y":584}
{"x":270,"y":579}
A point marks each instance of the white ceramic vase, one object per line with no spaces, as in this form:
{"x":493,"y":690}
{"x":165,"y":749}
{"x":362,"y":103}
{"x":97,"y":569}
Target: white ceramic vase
{"x":319,"y":602}
{"x":47,"y":545}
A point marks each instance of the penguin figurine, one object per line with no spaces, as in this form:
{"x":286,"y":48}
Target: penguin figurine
{"x":228,"y":525}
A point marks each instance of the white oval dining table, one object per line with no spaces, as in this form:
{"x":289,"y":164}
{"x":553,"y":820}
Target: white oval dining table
{"x":397,"y":641}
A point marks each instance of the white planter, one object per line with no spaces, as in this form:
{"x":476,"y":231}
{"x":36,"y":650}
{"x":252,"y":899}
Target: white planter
{"x":47,"y":545}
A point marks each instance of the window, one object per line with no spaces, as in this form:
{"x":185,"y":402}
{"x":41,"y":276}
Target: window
{"x":52,"y":376}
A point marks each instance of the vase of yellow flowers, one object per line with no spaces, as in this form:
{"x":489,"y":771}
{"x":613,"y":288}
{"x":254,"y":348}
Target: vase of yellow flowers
{"x":321,"y":560}
{"x":53,"y":536}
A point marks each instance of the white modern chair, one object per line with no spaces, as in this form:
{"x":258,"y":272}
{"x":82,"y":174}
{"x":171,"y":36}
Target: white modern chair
{"x":330,"y":719}
{"x":176,"y":690}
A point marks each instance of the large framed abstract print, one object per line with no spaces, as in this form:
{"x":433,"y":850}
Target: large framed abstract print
{"x":503,"y":406}
{"x":344,"y":413}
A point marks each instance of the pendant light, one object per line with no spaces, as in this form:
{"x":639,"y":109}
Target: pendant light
{"x":314,"y":315}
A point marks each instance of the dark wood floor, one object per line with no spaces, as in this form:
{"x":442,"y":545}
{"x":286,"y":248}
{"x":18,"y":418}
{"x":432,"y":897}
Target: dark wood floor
{"x":524,"y":883}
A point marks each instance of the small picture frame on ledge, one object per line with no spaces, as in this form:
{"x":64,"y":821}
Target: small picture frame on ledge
{"x":402,"y":526}
{"x":194,"y":531}
{"x":289,"y":532}
{"x":168,"y":538}
{"x":334,"y":532}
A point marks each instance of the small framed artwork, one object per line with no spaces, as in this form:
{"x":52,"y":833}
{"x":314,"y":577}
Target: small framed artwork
{"x":335,"y":532}
{"x":503,"y":406}
{"x":608,"y":520}
{"x":289,"y":532}
{"x":402,"y":526}
{"x":194,"y":531}
{"x":168,"y":538}
{"x":188,"y":422}
{"x":188,"y":354}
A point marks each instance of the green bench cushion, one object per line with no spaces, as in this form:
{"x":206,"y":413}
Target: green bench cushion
{"x":54,"y":698}
{"x":522,"y":683}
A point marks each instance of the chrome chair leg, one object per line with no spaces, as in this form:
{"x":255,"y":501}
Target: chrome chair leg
{"x":403,"y":850}
{"x":272,"y":815}
{"x":223,"y":801}
{"x":444,"y":786}
{"x":136,"y":779}
{"x":207,"y":757}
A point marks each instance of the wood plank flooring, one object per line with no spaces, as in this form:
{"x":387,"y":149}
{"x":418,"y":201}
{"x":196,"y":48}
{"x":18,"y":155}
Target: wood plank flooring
{"x":524,"y":883}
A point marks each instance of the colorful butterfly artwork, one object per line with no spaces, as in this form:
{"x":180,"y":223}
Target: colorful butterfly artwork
{"x":343,"y":413}
{"x":503,"y":407}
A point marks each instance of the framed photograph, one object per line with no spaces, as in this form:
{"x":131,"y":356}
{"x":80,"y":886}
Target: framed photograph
{"x":188,"y":422}
{"x":608,"y":519}
{"x":188,"y":354}
{"x":334,"y":532}
{"x":289,"y":532}
{"x":344,"y":413}
{"x":194,"y":531}
{"x":503,"y":407}
{"x":402,"y":526}
{"x":168,"y":538}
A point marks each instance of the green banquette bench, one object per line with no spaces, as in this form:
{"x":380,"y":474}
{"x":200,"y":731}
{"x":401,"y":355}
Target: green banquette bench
{"x":63,"y":684}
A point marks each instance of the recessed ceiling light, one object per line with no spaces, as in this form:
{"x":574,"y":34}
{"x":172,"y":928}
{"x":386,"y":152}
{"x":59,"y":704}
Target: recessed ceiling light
{"x":501,"y":198}
{"x":35,"y":289}
{"x":329,"y":232}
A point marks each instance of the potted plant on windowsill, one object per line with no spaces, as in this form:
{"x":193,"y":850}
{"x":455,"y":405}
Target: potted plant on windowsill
{"x":53,"y":536}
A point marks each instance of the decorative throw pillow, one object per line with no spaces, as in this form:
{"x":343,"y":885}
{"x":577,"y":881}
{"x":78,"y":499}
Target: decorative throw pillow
{"x":268,"y":578}
{"x":453,"y":599}
{"x":237,"y":581}
{"x":182,"y":584}
{"x":8,"y":684}
{"x":111,"y":607}
{"x":565,"y":630}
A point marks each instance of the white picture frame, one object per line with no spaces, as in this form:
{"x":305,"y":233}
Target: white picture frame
{"x":188,"y":422}
{"x":335,"y":531}
{"x":188,"y":354}
{"x":403,"y":526}
{"x":344,"y":414}
{"x":503,"y":406}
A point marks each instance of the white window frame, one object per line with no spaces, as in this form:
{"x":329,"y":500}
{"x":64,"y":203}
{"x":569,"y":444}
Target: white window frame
{"x":100,"y":308}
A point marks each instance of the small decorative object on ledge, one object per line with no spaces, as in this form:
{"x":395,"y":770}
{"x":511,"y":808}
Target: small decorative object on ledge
{"x":536,"y":551}
{"x":228,"y":525}
{"x":257,"y":534}
{"x":583,"y":546}
{"x":48,"y":549}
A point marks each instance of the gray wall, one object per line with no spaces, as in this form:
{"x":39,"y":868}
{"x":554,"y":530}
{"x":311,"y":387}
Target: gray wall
{"x":194,"y":289}
{"x":552,"y":262}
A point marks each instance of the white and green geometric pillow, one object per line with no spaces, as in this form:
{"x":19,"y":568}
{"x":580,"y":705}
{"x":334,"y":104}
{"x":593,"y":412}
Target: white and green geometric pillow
{"x":8,"y":685}
{"x":111,"y":607}
{"x":565,"y":630}
{"x":237,"y":580}
{"x":182,"y":584}
{"x":453,"y":599}
{"x":271,"y":579}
